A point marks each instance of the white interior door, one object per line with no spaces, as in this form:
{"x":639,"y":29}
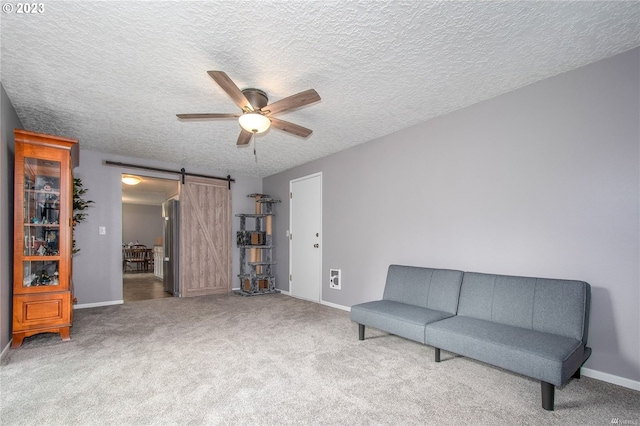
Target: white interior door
{"x":305,"y":244}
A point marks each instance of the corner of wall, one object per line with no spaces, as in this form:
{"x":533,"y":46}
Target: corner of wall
{"x":8,"y":121}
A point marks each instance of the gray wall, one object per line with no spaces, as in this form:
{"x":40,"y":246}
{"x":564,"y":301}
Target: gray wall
{"x":542,"y":181}
{"x":97,"y":269}
{"x":8,"y":121}
{"x":141,"y":223}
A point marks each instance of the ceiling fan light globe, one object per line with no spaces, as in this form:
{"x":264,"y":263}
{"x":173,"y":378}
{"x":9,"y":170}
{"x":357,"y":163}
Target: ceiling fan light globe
{"x":254,"y":122}
{"x":131,"y":180}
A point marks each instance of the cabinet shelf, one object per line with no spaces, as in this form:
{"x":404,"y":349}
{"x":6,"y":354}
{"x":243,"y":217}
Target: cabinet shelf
{"x":259,"y":276}
{"x":44,"y":258}
{"x":42,"y":191}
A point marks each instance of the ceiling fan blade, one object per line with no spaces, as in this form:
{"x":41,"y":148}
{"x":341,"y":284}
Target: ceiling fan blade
{"x":294,"y":101}
{"x":197,"y":116}
{"x":244,"y":138}
{"x":290,"y":127}
{"x":232,"y":90}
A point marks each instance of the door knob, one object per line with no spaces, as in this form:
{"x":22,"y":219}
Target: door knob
{"x":316,"y":245}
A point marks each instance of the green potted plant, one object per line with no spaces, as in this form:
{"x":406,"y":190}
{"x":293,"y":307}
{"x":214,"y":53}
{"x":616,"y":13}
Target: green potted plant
{"x":79,"y":207}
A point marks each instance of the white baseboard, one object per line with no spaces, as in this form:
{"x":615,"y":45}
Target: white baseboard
{"x":323,"y":302}
{"x":334,"y":305}
{"x":610,"y":378}
{"x":98,"y":304}
{"x":6,"y":348}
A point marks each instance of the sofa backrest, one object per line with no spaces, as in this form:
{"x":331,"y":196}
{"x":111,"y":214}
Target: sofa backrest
{"x":436,"y":289}
{"x":554,"y":306}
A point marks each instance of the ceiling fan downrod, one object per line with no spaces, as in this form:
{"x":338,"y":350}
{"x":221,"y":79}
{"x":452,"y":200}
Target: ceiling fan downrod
{"x":256,"y":97}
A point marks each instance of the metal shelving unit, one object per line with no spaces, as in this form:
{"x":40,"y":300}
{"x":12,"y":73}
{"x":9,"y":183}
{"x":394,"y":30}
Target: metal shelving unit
{"x":256,"y":272}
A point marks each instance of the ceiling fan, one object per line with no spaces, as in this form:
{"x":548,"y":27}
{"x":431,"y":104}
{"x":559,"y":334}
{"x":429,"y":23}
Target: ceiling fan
{"x":257,"y":114}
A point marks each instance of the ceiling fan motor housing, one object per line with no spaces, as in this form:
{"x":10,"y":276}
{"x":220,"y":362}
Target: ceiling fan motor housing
{"x":256,"y":97}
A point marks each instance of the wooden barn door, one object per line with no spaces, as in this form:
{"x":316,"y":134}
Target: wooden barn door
{"x":205,"y":240}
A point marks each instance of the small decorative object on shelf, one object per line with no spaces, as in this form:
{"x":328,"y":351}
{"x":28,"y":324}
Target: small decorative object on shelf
{"x":43,"y":233}
{"x":256,"y":272}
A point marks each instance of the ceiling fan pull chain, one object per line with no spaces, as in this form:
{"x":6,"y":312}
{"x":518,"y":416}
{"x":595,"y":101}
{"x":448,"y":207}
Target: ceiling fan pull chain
{"x":255,"y":155}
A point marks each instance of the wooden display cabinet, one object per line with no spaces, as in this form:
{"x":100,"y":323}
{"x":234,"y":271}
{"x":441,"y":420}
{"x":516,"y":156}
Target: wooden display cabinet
{"x":43,"y":215}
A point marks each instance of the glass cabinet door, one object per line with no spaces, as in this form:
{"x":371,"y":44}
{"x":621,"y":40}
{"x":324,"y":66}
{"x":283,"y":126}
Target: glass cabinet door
{"x":41,"y":222}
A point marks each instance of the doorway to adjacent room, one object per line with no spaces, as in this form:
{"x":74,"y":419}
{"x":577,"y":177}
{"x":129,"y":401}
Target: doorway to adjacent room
{"x":143,"y":236}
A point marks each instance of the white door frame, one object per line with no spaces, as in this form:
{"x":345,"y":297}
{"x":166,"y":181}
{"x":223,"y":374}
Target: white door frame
{"x":291,"y":182}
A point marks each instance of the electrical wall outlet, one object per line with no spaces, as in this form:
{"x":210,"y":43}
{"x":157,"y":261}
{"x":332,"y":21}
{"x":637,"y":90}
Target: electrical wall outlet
{"x":335,"y":279}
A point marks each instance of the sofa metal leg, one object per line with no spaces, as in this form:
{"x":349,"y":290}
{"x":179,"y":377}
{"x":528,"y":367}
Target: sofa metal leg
{"x":361,"y":331}
{"x":576,"y":375}
{"x":437,"y":354}
{"x":548,"y":394}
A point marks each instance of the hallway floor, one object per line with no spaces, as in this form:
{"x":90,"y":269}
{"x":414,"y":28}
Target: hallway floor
{"x":142,"y":286}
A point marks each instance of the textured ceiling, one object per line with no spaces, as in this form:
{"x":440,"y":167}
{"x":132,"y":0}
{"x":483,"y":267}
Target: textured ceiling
{"x":114,"y":74}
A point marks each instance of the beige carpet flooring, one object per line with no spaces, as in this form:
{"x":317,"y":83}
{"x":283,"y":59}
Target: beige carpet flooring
{"x":269,"y":360}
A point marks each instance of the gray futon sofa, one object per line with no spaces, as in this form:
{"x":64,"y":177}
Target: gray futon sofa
{"x":531,"y":326}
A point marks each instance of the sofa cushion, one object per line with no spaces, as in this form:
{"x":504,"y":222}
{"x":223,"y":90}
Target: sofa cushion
{"x":396,"y":318}
{"x":539,"y":355}
{"x":552,"y":306}
{"x":436,"y":289}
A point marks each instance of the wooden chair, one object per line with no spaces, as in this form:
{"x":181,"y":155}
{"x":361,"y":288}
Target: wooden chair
{"x":134,"y":257}
{"x":149,"y":260}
